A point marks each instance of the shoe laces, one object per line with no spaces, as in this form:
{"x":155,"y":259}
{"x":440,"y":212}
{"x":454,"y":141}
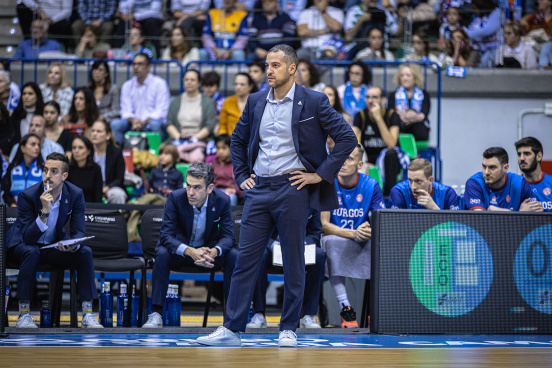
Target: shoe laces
{"x":90,"y":319}
{"x":219,"y":331}
{"x":257,"y":318}
{"x":348,"y":313}
{"x":288,"y":334}
{"x":309,"y":319}
{"x":26,"y":316}
{"x":153,"y":318}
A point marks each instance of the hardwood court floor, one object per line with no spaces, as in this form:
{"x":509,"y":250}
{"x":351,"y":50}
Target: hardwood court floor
{"x":271,"y":357}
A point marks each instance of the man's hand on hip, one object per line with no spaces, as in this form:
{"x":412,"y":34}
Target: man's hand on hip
{"x":302,"y":178}
{"x":248,"y":183}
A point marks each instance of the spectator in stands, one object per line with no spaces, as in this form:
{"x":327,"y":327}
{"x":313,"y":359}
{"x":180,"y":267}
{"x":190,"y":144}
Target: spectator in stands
{"x":530,"y":152}
{"x":83,"y":171}
{"x":421,"y":49}
{"x":97,"y":13}
{"x":110,"y":159}
{"x":38,"y":127}
{"x":314,"y":278}
{"x":240,"y":4}
{"x":310,"y":77}
{"x":9,"y":91}
{"x":211,"y":86}
{"x":7,"y":139}
{"x":83,"y":111}
{"x":27,"y":48}
{"x":376,"y":50}
{"x":268,"y":28}
{"x":192,"y":116}
{"x":144,"y":101}
{"x":163,"y":180}
{"x":411,"y":102}
{"x":138,"y":45}
{"x":483,"y":30}
{"x":335,"y":102}
{"x":181,"y":47}
{"x":148,"y":14}
{"x":459,"y":52}
{"x":54,"y":131}
{"x":420,"y":191}
{"x":541,"y":19}
{"x":347,"y":231}
{"x":257,"y":71}
{"x":190,"y":15}
{"x":353,"y":93}
{"x":224,"y":174}
{"x":496,"y":189}
{"x":30,"y":104}
{"x":225,"y":33}
{"x":452,"y":24}
{"x":43,"y":213}
{"x":363,"y":17}
{"x":233,"y":106}
{"x":106,"y":93}
{"x":57,"y":87}
{"x":89,"y":46}
{"x":24,"y":170}
{"x":197,"y":229}
{"x":545,"y":59}
{"x":514,"y":53}
{"x":292,"y":7}
{"x":379,"y":133}
{"x":316,"y":25}
{"x":53,"y":15}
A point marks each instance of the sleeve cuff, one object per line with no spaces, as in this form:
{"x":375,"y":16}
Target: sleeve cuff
{"x":219,"y":249}
{"x":180,"y":250}
{"x":41,"y":225}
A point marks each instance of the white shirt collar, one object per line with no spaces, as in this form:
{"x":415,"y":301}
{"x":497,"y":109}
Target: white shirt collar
{"x":290,"y":94}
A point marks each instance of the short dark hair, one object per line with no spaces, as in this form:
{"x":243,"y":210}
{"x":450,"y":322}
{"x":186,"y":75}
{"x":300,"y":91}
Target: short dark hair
{"x":56,"y":156}
{"x":498,"y":152}
{"x":197,"y":73}
{"x":532,"y":142}
{"x":148,"y":59}
{"x":258,"y":62}
{"x":366,"y":73}
{"x":211,"y":78}
{"x":290,"y":56}
{"x":360,"y":152}
{"x":223,"y":138}
{"x":201,"y":170}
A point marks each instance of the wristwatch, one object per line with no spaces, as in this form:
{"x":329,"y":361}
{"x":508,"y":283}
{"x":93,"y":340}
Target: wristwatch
{"x":43,"y":214}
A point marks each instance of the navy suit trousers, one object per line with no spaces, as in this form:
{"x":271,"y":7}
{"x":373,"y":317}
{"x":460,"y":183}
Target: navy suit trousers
{"x":29,"y":256}
{"x":272,"y":202}
{"x":165,"y":261}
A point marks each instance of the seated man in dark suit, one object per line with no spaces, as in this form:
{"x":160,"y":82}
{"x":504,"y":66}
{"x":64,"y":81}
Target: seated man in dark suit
{"x":197,"y":229}
{"x":43,"y":210}
{"x":314,"y":278}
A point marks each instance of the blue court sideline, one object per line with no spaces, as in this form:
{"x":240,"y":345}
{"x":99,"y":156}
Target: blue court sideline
{"x":304,"y":341}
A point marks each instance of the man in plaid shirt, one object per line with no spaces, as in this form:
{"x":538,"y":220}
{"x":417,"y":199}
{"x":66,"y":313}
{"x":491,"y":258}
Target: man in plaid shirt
{"x":98,"y":13}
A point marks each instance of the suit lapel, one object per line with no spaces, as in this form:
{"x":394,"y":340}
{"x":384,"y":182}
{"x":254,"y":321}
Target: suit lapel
{"x":64,"y":208}
{"x":255,"y":120}
{"x":210,"y":217}
{"x":298,"y":103}
{"x":188,"y":215}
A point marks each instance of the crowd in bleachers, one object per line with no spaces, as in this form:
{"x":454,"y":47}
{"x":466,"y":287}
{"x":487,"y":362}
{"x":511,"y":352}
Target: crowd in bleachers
{"x":480,"y":33}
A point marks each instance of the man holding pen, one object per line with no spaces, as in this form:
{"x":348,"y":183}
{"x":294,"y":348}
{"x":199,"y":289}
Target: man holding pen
{"x":347,"y":230}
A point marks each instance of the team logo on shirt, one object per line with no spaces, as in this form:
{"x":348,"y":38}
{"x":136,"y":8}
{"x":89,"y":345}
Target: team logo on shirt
{"x":493,"y":200}
{"x":339,"y":201}
{"x":546,"y":191}
{"x":359,"y":198}
{"x":508,"y":198}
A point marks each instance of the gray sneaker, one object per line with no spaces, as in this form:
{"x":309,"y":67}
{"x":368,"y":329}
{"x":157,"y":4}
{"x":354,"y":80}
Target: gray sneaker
{"x":287,"y":339}
{"x":308,"y":322}
{"x":89,"y":321}
{"x":26,"y":320}
{"x":221,"y":337}
{"x":258,"y":321}
{"x":154,"y":321}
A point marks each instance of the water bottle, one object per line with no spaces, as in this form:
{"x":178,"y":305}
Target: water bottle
{"x":251,"y":313}
{"x":165,"y":315}
{"x":173,"y":307}
{"x":177,"y":305}
{"x":135,"y":305}
{"x":124,"y":311}
{"x":121,"y":313}
{"x":45,"y":315}
{"x":106,"y":306}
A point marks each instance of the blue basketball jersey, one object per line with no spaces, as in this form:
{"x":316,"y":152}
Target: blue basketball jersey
{"x":355,"y":203}
{"x":480,"y":195}
{"x":401,"y":197}
{"x":542,"y":189}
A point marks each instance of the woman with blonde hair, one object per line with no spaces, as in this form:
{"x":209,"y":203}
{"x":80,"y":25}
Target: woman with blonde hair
{"x":57,"y":87}
{"x":411,"y":102}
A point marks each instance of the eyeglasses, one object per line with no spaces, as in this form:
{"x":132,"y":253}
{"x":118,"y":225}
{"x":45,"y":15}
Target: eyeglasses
{"x":139,"y":64}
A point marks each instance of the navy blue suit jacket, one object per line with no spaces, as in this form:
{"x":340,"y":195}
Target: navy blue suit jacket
{"x":25,"y":230}
{"x":312,"y":120}
{"x":178,"y":221}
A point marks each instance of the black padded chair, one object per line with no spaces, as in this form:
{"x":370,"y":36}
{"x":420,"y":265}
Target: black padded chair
{"x":55,"y":281}
{"x":151,"y":228}
{"x":110,"y":248}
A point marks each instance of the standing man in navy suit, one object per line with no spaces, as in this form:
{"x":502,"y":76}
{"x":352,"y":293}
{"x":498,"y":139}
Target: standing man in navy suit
{"x":278,"y":151}
{"x":197,"y":229}
{"x":43,"y":211}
